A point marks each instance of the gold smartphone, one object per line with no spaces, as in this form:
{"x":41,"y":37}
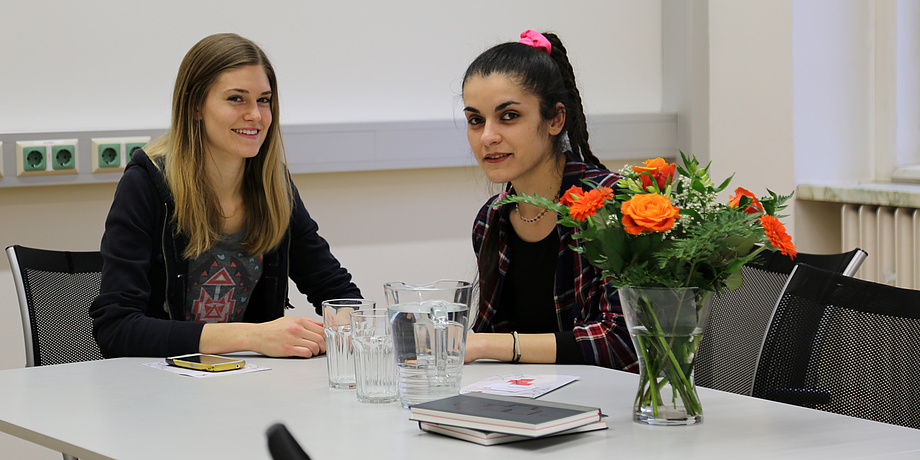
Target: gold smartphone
{"x":204,"y":362}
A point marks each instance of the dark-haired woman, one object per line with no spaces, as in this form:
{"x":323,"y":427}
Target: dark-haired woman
{"x":206,"y":227}
{"x":540,"y":302}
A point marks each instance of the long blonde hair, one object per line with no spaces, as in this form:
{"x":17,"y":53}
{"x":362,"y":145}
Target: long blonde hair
{"x":267,"y":196}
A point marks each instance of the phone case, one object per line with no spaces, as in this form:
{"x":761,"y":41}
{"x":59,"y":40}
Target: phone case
{"x":217,"y":367}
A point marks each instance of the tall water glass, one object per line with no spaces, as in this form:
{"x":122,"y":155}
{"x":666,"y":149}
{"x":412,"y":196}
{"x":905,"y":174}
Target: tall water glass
{"x":375,"y":365}
{"x":429,"y":325}
{"x":337,"y":327}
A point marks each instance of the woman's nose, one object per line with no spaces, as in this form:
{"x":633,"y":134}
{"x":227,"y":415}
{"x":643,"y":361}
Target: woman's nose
{"x":490,"y":135}
{"x":253,"y":112}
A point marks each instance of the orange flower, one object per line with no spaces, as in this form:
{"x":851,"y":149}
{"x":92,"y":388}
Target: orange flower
{"x":571,"y":195}
{"x":650,"y":212}
{"x":754,"y":207}
{"x":660,"y":169}
{"x":776,"y":232}
{"x":588,"y":204}
{"x":607,"y":192}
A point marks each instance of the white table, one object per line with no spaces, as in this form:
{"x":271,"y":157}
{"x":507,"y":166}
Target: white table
{"x":121,"y":409}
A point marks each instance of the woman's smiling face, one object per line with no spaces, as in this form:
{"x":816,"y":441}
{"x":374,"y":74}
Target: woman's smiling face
{"x":507,"y":134}
{"x":237,"y":113}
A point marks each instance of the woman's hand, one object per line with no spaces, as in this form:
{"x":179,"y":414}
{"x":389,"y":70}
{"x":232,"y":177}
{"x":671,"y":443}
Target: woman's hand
{"x":290,"y":336}
{"x":283,"y":337}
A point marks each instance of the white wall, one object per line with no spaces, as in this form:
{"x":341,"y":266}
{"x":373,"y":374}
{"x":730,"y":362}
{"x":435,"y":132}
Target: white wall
{"x":908,"y":82}
{"x":728,"y":74}
{"x":751,"y":94}
{"x":833,"y":98}
{"x":834,"y":86}
{"x":108,"y":65}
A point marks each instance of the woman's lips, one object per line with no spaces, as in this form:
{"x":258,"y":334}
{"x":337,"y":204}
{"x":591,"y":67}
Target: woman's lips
{"x":251,"y":133}
{"x":496,"y":157}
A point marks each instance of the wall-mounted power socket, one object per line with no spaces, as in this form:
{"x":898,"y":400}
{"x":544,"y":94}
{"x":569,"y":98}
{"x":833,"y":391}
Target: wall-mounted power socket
{"x":40,"y":158}
{"x":111,"y":154}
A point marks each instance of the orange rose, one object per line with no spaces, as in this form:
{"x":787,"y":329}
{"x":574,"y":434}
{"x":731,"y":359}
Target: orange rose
{"x":776,"y":232}
{"x":588,"y":204}
{"x":571,"y":195}
{"x":754,"y":207}
{"x":650,"y":212}
{"x":661,"y":170}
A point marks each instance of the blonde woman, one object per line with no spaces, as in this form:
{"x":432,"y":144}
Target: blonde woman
{"x":206,"y":227}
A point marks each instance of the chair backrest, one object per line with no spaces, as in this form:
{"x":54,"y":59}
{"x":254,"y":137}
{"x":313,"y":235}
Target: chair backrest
{"x":844,"y":345}
{"x":738,"y":319}
{"x":55,"y":289}
{"x":282,"y":445}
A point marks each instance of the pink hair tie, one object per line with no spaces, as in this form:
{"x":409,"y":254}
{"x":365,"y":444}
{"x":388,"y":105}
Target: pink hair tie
{"x":536,"y":40}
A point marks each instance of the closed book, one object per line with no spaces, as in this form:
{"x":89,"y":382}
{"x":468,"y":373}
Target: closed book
{"x":504,"y":414}
{"x":488,"y":438}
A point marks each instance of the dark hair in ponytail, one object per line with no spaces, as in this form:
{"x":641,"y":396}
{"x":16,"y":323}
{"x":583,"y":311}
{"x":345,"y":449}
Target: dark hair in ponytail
{"x":551,"y":79}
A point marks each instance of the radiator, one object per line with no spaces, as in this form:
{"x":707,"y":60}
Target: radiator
{"x":891,"y":236}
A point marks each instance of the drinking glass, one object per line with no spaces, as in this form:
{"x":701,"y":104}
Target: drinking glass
{"x":375,"y":365}
{"x":339,"y":351}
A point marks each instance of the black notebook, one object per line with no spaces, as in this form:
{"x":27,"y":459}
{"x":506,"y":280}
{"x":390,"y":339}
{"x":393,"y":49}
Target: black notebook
{"x":504,"y":414}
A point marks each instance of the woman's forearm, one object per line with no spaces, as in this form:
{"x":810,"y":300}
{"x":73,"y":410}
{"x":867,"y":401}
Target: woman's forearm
{"x":534,"y":348}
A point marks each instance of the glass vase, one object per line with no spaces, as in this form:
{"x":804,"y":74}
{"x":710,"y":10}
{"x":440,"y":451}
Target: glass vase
{"x":666,"y":326}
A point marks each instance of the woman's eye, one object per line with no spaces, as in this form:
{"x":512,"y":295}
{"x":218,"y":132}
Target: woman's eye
{"x":474,"y":120}
{"x":265,"y":100}
{"x":510,"y":116}
{"x":235,"y":98}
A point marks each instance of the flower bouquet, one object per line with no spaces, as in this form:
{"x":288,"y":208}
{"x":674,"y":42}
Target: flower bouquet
{"x":664,"y":239}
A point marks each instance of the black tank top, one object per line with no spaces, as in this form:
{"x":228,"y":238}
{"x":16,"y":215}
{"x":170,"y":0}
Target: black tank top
{"x":527,"y":294}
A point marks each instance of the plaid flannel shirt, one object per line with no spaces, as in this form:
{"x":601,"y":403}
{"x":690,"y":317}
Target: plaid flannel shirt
{"x":583,"y":300}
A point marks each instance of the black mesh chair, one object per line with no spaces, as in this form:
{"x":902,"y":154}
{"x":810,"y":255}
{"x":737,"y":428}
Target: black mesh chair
{"x":844,"y":345}
{"x":55,"y":290}
{"x":738,"y":319}
{"x":282,"y":445}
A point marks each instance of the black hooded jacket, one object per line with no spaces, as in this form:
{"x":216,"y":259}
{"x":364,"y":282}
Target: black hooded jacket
{"x":139,"y":311}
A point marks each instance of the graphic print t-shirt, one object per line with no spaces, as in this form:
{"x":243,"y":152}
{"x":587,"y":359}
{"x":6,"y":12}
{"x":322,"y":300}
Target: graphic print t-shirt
{"x":221,"y":281}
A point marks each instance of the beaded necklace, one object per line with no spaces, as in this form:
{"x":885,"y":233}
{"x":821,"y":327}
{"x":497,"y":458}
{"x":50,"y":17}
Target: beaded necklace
{"x":535,"y":218}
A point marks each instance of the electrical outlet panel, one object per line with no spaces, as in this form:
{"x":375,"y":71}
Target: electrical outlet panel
{"x":111,"y":154}
{"x":39,"y":158}
{"x":64,"y":157}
